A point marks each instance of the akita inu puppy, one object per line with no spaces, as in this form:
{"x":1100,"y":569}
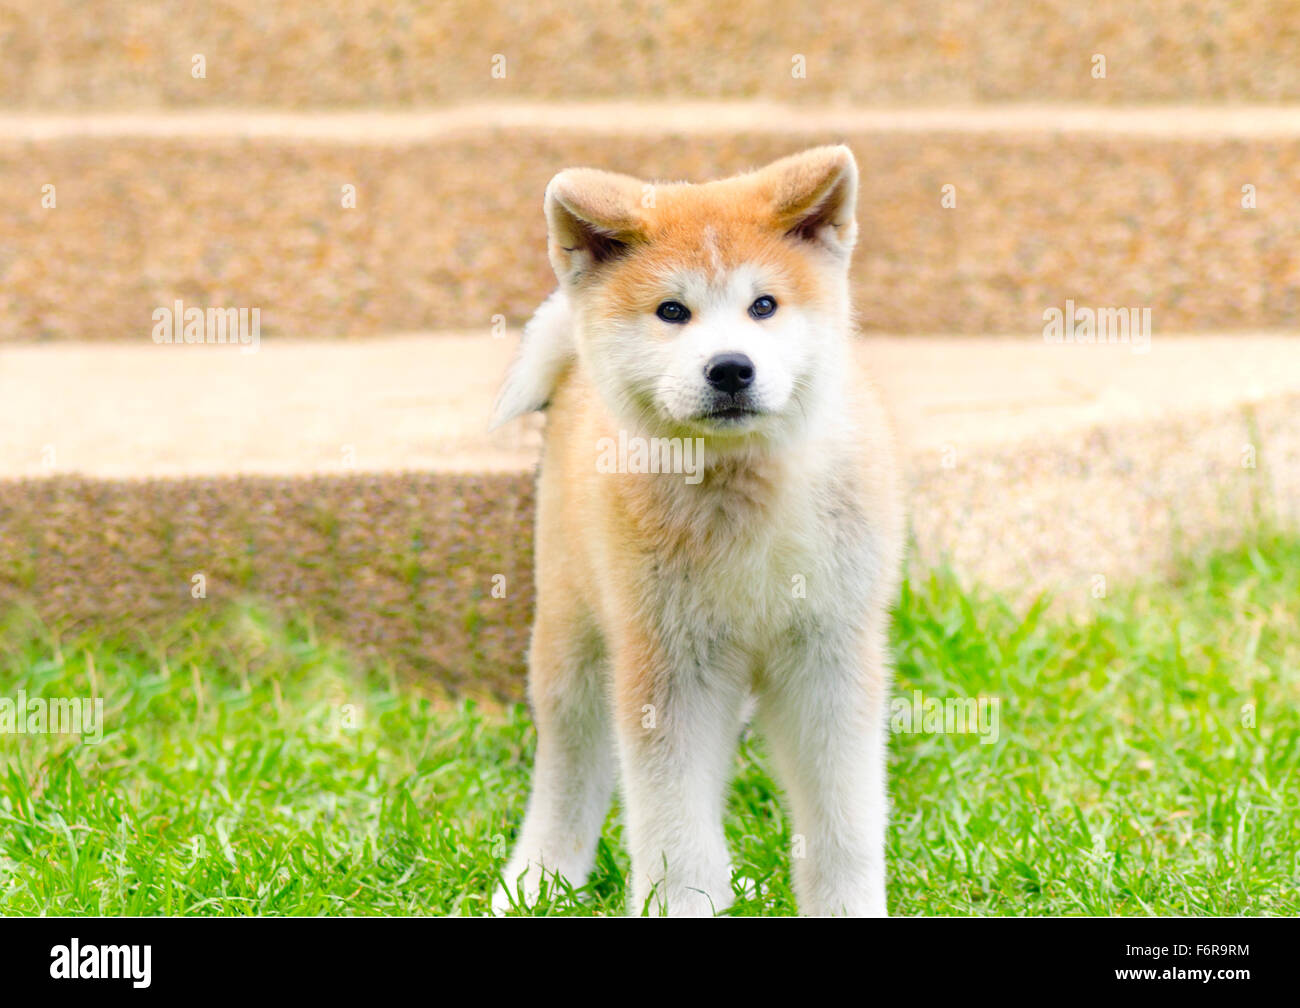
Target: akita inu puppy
{"x":671,"y":605}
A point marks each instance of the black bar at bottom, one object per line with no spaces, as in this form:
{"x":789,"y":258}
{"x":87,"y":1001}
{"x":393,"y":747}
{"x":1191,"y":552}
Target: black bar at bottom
{"x":1218,"y":957}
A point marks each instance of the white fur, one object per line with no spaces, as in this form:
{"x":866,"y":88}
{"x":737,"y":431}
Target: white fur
{"x":573,"y":780}
{"x":816,"y":665}
{"x":648,"y":380}
{"x":546,"y":347}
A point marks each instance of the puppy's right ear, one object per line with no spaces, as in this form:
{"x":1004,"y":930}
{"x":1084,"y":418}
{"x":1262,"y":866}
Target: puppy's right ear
{"x":592,"y":217}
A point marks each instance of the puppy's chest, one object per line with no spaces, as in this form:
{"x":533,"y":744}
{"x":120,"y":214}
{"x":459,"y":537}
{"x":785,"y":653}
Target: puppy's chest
{"x":752,"y":571}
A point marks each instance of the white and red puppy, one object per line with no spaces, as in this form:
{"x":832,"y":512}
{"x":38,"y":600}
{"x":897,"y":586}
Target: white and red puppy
{"x":709,"y":324}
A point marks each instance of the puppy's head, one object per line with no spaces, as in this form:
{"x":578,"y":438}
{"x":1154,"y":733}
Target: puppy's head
{"x":708,"y":309}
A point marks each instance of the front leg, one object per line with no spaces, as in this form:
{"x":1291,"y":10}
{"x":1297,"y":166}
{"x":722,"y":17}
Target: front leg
{"x":677,"y":727}
{"x":822,"y":710}
{"x":573,"y":775}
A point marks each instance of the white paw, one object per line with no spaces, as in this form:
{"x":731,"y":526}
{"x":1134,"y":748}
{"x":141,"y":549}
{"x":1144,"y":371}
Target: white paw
{"x":684,"y":900}
{"x":695,"y":903}
{"x":748,"y":889}
{"x":521,"y":889}
{"x":853,"y":906}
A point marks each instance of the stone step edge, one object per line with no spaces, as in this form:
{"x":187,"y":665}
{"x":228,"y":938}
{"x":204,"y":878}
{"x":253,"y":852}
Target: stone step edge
{"x":1174,"y":122}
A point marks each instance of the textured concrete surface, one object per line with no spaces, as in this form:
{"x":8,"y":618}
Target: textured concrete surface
{"x":399,"y":569}
{"x":447,"y":230}
{"x":70,"y":54}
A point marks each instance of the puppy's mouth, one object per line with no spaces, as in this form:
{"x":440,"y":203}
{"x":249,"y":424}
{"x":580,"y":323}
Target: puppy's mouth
{"x":729,"y":414}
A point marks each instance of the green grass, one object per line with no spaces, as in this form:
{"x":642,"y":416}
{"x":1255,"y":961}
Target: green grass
{"x":1148,"y":762}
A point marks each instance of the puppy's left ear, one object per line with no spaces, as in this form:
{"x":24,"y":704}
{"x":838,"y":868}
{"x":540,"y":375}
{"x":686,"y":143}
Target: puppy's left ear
{"x":814,"y":196}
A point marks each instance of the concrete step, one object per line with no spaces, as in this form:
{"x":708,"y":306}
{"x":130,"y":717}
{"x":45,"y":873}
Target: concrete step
{"x":332,"y":53}
{"x":1116,"y":208}
{"x":421,"y":402}
{"x":352,"y":483}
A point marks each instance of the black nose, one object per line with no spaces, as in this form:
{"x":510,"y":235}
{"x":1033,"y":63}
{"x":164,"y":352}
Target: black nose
{"x":729,"y":372}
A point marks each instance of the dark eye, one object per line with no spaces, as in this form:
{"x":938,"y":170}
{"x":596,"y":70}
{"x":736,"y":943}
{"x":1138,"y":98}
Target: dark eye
{"x":673,"y":311}
{"x":763,"y":307}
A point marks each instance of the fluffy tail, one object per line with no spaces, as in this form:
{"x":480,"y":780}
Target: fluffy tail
{"x":547,"y":347}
